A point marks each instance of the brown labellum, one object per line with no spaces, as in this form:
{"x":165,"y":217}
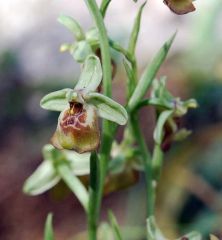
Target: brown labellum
{"x":180,"y":6}
{"x":77,"y":129}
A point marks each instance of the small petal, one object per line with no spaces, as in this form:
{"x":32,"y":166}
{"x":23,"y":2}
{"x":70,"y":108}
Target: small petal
{"x":180,"y":6}
{"x":77,"y":129}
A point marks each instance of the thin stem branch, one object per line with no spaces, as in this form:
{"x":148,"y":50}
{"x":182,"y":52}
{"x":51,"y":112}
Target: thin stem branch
{"x":147,"y":164}
{"x":157,"y":161}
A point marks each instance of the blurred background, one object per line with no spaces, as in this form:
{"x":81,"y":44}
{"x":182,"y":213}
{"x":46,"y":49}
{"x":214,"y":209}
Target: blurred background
{"x":190,"y":192}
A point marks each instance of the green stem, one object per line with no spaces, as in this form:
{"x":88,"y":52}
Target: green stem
{"x":157,"y":161}
{"x":104,"y":46}
{"x":147,"y":164}
{"x":107,"y":90}
{"x":94,"y":176}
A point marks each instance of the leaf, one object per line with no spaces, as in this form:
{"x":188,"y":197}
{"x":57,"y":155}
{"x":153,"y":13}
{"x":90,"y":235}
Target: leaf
{"x":191,"y":236}
{"x":74,"y":184}
{"x":107,"y":108}
{"x":81,"y":51}
{"x":44,"y":178}
{"x":153,"y":232}
{"x":135,"y":31}
{"x":72,"y":25}
{"x":48,"y":232}
{"x":149,"y":74}
{"x":91,"y":75}
{"x":56,"y":101}
{"x":158,"y":132}
{"x":115,"y":226}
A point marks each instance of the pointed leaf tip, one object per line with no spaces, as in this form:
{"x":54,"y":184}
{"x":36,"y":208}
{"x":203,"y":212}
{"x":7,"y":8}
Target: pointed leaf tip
{"x":149,"y":74}
{"x":48,"y":231}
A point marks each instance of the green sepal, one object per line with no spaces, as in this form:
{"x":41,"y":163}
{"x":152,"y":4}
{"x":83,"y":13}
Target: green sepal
{"x":107,"y":108}
{"x":48,"y":231}
{"x":81,"y":50}
{"x":149,"y":74}
{"x":158,"y":132}
{"x":56,"y":101}
{"x":135,"y":31}
{"x":91,"y":75}
{"x":73,"y":26}
{"x":44,"y":178}
{"x":79,"y":163}
{"x":74,"y":184}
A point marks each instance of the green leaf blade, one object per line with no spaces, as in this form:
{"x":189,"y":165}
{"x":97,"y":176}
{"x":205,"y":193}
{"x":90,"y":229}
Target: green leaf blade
{"x":115,"y":226}
{"x":91,"y":75}
{"x":135,"y":31}
{"x":55,"y":101}
{"x":149,"y":74}
{"x":108,"y":109}
{"x":48,"y":232}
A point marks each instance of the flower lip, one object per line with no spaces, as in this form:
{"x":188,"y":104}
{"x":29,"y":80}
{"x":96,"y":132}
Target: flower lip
{"x":74,"y":117}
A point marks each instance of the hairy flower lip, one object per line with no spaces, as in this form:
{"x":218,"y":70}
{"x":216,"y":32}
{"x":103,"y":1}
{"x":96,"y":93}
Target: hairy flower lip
{"x":174,"y":6}
{"x":77,"y":129}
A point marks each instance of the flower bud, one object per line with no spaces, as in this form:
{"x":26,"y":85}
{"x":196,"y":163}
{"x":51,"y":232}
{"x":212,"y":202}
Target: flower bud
{"x":180,"y":6}
{"x":77,"y":128}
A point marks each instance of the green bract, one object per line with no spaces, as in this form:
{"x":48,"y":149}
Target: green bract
{"x":85,"y":44}
{"x":149,"y":75}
